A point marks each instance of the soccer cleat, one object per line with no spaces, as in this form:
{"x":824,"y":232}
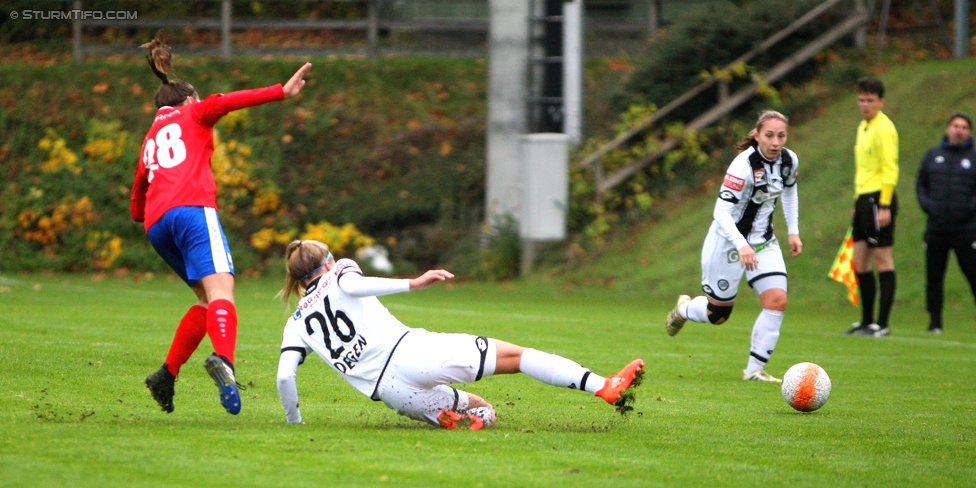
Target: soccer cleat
{"x":878,"y":331}
{"x":867,"y":330}
{"x":935,"y":329}
{"x":160,"y":385}
{"x":449,"y":419}
{"x":222,"y":373}
{"x":760,"y":375}
{"x":675,"y":321}
{"x":856,"y":329}
{"x":615,"y":386}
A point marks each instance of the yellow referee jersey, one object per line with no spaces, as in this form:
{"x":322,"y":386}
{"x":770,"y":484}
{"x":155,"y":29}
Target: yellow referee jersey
{"x":876,"y":158}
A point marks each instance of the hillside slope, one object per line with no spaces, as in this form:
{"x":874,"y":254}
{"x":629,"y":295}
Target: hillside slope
{"x":663,"y":260}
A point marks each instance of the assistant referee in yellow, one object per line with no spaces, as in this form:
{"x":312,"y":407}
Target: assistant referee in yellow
{"x":875,"y":207}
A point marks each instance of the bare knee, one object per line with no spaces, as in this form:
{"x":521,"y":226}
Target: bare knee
{"x":774,"y":299}
{"x":217,"y":286}
{"x":883,"y":259}
{"x":201,"y":294}
{"x":507,"y":357}
{"x":861,"y":258}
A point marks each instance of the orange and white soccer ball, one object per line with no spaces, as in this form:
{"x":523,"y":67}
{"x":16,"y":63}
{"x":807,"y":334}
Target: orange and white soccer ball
{"x":806,"y":387}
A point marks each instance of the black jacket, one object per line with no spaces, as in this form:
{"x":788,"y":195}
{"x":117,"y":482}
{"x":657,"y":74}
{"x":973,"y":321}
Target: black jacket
{"x":946,"y":187}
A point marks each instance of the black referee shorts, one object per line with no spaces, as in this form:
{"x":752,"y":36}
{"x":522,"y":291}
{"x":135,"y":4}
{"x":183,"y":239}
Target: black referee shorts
{"x":865,"y":222}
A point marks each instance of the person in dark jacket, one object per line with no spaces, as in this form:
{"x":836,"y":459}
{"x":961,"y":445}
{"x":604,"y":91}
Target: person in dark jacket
{"x":946,"y":189}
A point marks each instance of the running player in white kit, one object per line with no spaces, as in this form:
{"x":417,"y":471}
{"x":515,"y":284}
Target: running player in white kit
{"x":741,"y":239}
{"x":408,"y":369}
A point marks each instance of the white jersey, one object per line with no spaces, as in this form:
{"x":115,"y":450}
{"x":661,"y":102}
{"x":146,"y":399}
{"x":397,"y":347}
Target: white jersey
{"x":346,"y":325}
{"x":744,"y":209}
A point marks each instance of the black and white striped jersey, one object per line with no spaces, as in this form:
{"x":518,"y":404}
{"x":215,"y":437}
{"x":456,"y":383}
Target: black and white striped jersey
{"x":744,"y":210}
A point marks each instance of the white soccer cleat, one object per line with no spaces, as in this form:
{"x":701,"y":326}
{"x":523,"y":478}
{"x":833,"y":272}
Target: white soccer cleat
{"x":675,"y":321}
{"x":760,"y":375}
{"x":878,"y":331}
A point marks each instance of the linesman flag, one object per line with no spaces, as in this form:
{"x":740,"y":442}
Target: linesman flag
{"x":843,"y":269}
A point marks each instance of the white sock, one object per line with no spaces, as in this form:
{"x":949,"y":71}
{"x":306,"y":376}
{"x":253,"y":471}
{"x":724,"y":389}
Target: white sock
{"x":765,"y":334}
{"x":486,"y":414}
{"x":559,"y":371}
{"x":696,"y":310}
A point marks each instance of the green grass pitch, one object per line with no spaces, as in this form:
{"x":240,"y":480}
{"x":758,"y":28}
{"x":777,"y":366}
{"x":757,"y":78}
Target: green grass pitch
{"x":74,"y":412}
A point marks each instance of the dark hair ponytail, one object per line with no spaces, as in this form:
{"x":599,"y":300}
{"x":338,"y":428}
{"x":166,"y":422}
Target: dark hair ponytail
{"x":172,"y":92}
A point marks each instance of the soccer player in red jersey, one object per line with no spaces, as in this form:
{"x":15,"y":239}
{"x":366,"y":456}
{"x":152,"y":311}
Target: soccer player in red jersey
{"x":175,"y":196}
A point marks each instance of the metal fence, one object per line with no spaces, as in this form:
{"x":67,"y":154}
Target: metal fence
{"x":444,"y":27}
{"x":226,"y":23}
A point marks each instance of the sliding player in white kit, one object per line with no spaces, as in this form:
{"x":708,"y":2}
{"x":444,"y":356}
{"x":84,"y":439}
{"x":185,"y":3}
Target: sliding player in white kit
{"x":741,"y":238}
{"x":406,"y":368}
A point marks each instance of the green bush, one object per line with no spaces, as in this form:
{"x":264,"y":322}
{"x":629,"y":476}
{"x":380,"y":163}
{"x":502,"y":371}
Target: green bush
{"x":491,"y":253}
{"x":395,"y":146}
{"x":685,"y":55}
{"x":713,"y":38}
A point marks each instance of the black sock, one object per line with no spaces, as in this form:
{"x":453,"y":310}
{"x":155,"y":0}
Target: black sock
{"x":887,"y":281}
{"x":865,"y":282}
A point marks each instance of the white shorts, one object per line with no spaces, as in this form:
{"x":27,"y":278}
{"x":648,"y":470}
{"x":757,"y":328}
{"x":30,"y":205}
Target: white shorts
{"x":722,"y":271}
{"x":414,"y":383}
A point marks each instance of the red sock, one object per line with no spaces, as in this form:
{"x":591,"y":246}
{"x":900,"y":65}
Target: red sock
{"x":222,"y":327}
{"x":189,"y":333}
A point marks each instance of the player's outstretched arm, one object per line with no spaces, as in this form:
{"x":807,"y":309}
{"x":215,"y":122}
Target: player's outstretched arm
{"x":297,"y":81}
{"x":287,"y":386}
{"x":429,"y":278}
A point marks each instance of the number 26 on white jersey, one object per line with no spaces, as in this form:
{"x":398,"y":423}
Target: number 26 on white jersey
{"x":166,"y":150}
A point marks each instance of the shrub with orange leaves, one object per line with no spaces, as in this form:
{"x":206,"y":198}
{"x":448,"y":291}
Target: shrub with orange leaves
{"x":49,"y":228}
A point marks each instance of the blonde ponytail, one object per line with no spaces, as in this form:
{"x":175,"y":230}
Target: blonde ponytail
{"x":301,"y":259}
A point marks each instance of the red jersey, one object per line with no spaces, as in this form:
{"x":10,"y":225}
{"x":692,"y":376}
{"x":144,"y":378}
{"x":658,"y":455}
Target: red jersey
{"x":175,"y":169}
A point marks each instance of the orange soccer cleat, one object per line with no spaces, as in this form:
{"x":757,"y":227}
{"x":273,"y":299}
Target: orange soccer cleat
{"x":619,"y":382}
{"x":449,"y":419}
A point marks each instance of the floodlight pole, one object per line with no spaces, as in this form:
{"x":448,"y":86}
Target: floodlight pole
{"x":962,"y":29}
{"x":225,"y":11}
{"x":861,"y":34}
{"x":508,"y":45}
{"x":653,"y":18}
{"x":882,"y":29}
{"x":573,"y":70}
{"x":76,"y":54}
{"x":373,"y":20}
